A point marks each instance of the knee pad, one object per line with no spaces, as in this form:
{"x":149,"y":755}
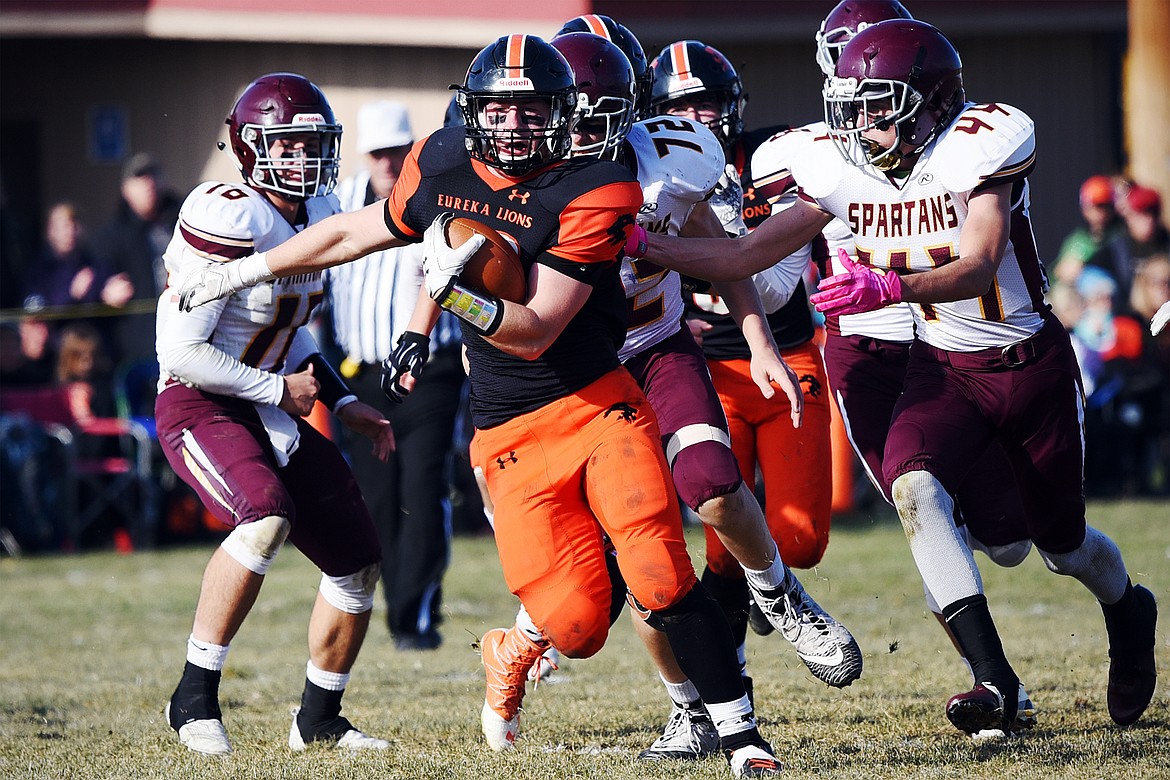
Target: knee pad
{"x":353,"y":593}
{"x":702,"y":464}
{"x":917,"y":492}
{"x":1008,"y":555}
{"x":255,"y":545}
{"x":1096,"y":552}
{"x":579,"y":627}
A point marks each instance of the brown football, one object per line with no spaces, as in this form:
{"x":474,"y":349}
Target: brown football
{"x":495,"y":268}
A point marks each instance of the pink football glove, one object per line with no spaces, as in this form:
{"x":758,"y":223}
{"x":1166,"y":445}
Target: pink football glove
{"x":861,"y":289}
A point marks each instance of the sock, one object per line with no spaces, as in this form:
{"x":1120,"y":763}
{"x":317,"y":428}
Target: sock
{"x":736,"y":725}
{"x":731,"y":594}
{"x":529,"y":629}
{"x":684,"y":694}
{"x":944,"y":560}
{"x":330,"y":681}
{"x":1120,"y":618}
{"x":702,"y":644}
{"x":205,"y":654}
{"x":770,"y":578}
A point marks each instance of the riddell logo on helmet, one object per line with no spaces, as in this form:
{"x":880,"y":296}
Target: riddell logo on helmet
{"x":308,"y":119}
{"x":521,"y":83}
{"x":686,"y":83}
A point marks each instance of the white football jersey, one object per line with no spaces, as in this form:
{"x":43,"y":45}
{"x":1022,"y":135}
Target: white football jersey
{"x":679,"y":163}
{"x":772,"y":163}
{"x":254,"y":335}
{"x":915,"y":225}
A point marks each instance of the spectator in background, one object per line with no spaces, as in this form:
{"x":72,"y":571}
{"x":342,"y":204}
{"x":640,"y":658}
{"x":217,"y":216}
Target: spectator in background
{"x":1095,"y":241}
{"x":132,"y":245}
{"x":1145,"y":234}
{"x":66,"y":271}
{"x":372,"y":300}
{"x":83,"y":367}
{"x":1151,"y":289}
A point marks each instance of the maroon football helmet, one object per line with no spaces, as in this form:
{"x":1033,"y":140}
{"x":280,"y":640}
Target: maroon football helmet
{"x":281,"y":104}
{"x":848,"y":18}
{"x":605,"y":81}
{"x":900,"y":73}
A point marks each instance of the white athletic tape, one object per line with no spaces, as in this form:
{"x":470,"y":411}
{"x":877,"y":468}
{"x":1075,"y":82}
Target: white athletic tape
{"x":694,"y":434}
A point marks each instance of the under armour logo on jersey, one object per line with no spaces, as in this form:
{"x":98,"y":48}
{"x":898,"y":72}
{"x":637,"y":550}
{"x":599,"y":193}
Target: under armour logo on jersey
{"x":814,"y":385}
{"x":520,"y":196}
{"x":626,"y":412}
{"x":509,"y":458}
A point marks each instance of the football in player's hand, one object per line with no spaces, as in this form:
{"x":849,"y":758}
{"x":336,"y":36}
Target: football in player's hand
{"x":495,"y":268}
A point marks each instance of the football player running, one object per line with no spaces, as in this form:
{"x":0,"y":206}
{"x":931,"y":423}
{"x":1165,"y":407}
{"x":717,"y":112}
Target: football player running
{"x":866,"y":353}
{"x":237,"y":377}
{"x":568,"y":445}
{"x":678,"y":163}
{"x":935,"y":192}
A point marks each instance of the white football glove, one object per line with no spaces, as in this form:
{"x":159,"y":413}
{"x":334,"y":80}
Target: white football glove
{"x":220,"y":279}
{"x":441,"y":263}
{"x":1161,"y":317}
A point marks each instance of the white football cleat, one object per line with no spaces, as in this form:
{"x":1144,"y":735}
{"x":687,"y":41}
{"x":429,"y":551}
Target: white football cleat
{"x":754,"y":761}
{"x":352,"y":739}
{"x":499,"y":734}
{"x":208,"y":737}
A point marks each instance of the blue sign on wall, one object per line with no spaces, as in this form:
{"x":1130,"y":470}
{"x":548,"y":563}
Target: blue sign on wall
{"x":108,"y":134}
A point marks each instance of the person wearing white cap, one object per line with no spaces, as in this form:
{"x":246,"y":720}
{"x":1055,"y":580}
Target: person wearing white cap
{"x":371,"y":300}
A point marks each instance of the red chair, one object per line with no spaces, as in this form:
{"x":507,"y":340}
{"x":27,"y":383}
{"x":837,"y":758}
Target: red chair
{"x":119,"y":481}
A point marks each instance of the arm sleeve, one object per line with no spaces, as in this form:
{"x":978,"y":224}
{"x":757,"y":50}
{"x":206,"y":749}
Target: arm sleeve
{"x":185,"y":353}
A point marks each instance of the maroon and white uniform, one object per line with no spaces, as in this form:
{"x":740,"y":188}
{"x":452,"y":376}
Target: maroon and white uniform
{"x":220,"y":382}
{"x":996,"y":366}
{"x":866,"y":356}
{"x":678,"y":162}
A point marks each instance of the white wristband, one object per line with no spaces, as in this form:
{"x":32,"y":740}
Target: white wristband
{"x":254,"y":269}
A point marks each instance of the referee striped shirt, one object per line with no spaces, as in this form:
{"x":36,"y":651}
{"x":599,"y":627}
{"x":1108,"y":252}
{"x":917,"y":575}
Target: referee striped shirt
{"x":372,"y":298}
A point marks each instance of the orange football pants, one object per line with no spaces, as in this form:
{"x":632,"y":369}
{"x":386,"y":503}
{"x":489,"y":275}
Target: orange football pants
{"x":561,"y":476}
{"x":796,"y":464}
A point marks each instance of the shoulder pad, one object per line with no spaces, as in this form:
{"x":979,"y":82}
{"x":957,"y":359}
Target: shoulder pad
{"x":986,"y":142}
{"x":678,"y":154}
{"x":229,"y":211}
{"x":804,"y":157}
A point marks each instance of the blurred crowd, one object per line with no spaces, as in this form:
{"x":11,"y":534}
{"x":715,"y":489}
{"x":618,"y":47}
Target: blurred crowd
{"x":1109,"y":278}
{"x":79,"y":317}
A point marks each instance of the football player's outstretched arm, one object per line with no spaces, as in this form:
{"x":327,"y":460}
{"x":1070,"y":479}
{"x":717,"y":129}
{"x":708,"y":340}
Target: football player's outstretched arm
{"x":728,"y":259}
{"x":339,"y":239}
{"x":981,"y":247}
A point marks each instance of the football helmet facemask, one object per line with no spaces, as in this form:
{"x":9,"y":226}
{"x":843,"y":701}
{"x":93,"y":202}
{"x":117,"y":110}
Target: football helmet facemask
{"x":899,"y":73}
{"x":621,"y":36}
{"x":605,"y":80}
{"x":279,"y":105}
{"x":688,"y":68}
{"x":518,"y":67}
{"x":848,"y":18}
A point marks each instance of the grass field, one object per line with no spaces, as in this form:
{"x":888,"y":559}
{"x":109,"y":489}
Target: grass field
{"x":91,"y":646}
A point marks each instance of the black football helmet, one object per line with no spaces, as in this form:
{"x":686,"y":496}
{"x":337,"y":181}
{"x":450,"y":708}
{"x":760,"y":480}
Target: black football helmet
{"x":284,"y":104}
{"x":901,"y":73}
{"x":687,"y":68}
{"x":621,"y":36}
{"x":518,"y":67}
{"x":848,"y":18}
{"x":605,"y":81}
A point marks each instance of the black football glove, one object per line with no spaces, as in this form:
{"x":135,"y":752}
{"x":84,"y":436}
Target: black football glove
{"x":410,"y":354}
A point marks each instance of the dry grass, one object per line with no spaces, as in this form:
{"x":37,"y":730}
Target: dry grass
{"x":91,"y":645}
